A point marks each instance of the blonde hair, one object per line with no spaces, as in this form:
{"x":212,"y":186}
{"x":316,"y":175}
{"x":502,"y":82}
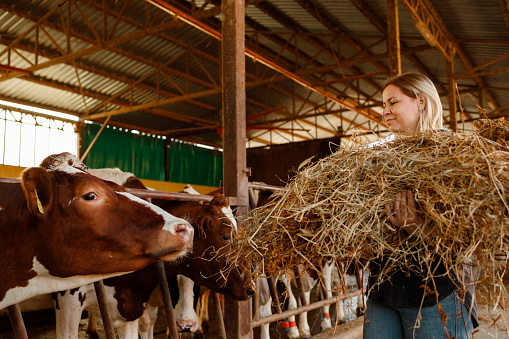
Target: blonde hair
{"x":416,"y":84}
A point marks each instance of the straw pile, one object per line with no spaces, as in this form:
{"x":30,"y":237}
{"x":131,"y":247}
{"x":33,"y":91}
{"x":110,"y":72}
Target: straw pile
{"x":334,"y":208}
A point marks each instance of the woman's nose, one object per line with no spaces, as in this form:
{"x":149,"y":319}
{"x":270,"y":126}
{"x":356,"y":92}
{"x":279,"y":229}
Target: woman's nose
{"x":386,"y":111}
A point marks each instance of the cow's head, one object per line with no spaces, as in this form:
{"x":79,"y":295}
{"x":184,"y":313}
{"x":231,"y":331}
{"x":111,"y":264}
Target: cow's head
{"x":214,"y":228}
{"x":90,"y":226}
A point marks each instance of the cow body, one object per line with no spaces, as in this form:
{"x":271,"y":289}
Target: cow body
{"x":63,"y":228}
{"x":129,"y":294}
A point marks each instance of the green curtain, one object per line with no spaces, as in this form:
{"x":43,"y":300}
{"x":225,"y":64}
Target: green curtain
{"x":195,"y":165}
{"x":139,"y":154}
{"x":144,"y":157}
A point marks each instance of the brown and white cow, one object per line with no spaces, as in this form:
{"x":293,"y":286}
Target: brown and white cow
{"x":62,"y":228}
{"x":128,"y":295}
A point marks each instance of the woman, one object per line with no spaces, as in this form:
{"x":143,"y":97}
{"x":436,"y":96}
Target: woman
{"x":398,"y":307}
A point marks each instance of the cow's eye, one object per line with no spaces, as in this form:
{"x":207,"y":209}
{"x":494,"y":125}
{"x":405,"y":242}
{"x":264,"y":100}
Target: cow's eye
{"x":90,"y":196}
{"x":226,"y":237}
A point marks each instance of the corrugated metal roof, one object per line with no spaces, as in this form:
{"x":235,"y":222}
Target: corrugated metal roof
{"x":139,"y":64}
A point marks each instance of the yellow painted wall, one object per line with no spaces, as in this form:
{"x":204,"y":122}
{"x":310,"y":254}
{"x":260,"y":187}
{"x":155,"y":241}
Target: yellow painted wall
{"x":15,"y":172}
{"x":10,"y":171}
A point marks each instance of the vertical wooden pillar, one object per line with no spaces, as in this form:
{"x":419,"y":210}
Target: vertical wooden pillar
{"x":451,"y":96}
{"x":393,"y":43}
{"x":238,"y":314}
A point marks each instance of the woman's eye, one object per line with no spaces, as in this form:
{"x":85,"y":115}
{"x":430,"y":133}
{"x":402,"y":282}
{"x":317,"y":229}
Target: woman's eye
{"x":226,"y":237}
{"x":89,"y":196}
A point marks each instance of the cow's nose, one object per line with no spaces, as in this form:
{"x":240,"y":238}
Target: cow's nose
{"x":250,"y":292}
{"x":186,"y":326}
{"x":185,"y":230}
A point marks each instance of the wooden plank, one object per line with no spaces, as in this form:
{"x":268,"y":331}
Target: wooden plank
{"x":238,"y":317}
{"x":393,"y":43}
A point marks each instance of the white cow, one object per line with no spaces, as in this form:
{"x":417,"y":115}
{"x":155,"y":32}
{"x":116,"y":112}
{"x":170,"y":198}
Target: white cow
{"x":303,"y":330}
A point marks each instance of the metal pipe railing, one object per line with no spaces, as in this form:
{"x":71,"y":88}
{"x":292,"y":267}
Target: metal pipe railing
{"x":298,"y":310}
{"x":264,"y":187}
{"x":143,"y":193}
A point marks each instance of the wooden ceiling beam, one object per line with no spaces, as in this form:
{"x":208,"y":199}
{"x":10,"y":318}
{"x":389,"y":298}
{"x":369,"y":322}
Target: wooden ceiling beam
{"x":436,"y":33}
{"x":130,"y":55}
{"x":93,"y":69}
{"x":316,"y":10}
{"x":117,"y":102}
{"x":294,"y":26}
{"x":393,"y":43}
{"x":267,"y":62}
{"x":381,"y":25}
{"x":504,"y":4}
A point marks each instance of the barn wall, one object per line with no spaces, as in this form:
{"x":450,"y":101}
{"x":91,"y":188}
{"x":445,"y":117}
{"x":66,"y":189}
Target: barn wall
{"x":7,"y":171}
{"x":276,"y":164}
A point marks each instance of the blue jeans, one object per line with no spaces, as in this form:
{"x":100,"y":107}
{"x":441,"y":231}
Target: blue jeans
{"x":387,"y":322}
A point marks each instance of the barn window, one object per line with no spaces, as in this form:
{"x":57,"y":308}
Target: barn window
{"x":27,"y":137}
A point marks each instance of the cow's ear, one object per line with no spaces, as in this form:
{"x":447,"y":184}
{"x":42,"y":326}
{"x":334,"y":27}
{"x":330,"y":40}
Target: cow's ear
{"x":219,"y":200}
{"x":38,"y":186}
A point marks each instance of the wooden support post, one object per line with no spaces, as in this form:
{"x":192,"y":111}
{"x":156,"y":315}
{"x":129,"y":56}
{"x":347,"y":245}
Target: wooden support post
{"x":103,"y":307}
{"x":451,"y":96}
{"x":18,"y":326}
{"x":238,"y":317}
{"x":273,"y":293}
{"x":219,"y":315}
{"x":300,"y":286}
{"x":168,"y":307}
{"x":393,"y":43}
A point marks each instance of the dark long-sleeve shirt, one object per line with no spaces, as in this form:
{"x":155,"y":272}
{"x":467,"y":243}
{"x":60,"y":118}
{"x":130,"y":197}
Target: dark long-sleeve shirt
{"x":406,"y":288}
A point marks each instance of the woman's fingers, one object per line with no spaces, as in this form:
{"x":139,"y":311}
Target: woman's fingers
{"x":397,"y":206}
{"x":411,"y":211}
{"x":405,"y":214}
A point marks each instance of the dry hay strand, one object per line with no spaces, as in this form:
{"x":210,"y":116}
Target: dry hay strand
{"x":334,"y":208}
{"x":496,"y":130}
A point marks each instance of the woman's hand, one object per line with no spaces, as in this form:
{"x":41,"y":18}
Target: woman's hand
{"x":405,"y":215}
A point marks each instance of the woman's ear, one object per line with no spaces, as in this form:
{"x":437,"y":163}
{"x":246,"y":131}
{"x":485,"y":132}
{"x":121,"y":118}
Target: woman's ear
{"x":422,"y":101}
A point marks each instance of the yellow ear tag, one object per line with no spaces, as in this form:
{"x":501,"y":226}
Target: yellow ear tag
{"x":39,"y":204}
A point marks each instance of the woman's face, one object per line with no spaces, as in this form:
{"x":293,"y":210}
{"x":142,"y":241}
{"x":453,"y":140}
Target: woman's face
{"x":401,"y":112}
